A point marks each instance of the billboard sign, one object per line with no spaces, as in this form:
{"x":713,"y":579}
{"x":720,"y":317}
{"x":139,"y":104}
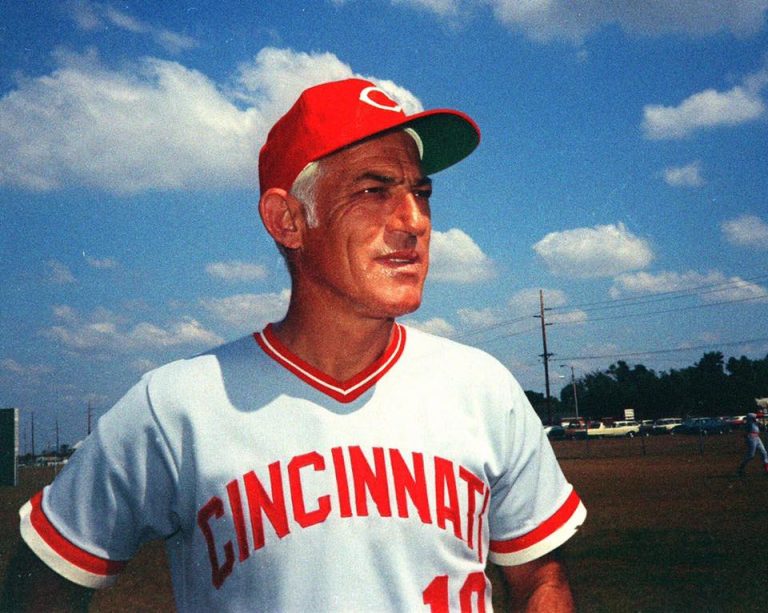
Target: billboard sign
{"x":9,"y":446}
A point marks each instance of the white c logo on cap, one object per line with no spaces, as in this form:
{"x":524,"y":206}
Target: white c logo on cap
{"x":365,"y":96}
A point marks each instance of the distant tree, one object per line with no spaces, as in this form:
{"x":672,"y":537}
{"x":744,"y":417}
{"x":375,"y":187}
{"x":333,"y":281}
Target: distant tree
{"x":600,"y":395}
{"x":674,"y":397}
{"x":639,"y":390}
{"x":709,"y":387}
{"x":539,"y":403}
{"x":748,"y":380}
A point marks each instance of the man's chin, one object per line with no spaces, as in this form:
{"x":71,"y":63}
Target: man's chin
{"x":390,"y":306}
{"x":405,"y":309}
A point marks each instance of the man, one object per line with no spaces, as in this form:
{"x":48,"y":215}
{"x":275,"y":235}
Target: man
{"x":336,"y":460}
{"x":754,"y":444}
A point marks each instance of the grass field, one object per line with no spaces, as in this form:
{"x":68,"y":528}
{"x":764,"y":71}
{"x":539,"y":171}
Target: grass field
{"x":670,"y":528}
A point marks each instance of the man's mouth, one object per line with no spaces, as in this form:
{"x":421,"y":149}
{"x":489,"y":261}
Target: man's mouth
{"x":400,"y":258}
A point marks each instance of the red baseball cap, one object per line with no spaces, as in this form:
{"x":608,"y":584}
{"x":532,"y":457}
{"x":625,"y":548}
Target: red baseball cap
{"x":334,"y":115}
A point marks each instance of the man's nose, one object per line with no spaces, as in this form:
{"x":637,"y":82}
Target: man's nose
{"x":410,"y":215}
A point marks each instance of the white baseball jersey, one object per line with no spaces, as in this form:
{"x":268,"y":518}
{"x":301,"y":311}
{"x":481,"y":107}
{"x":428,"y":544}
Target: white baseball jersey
{"x":278,"y":488}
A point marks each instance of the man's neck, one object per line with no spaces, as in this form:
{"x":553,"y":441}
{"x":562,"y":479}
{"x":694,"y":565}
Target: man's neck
{"x":339,"y":345}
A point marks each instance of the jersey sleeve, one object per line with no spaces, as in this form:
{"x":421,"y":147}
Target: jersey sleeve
{"x":534,"y":509}
{"x":116,"y":492}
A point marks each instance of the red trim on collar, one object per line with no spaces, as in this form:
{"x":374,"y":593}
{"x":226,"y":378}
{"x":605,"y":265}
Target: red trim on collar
{"x":341,"y":391}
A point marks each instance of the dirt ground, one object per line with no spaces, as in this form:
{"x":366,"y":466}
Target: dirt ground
{"x":670,"y":528}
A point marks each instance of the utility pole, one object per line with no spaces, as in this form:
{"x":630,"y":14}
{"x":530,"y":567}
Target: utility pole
{"x":546,"y":355}
{"x":57,"y":437}
{"x":89,"y":417}
{"x":575,"y":396}
{"x":33,"y":434}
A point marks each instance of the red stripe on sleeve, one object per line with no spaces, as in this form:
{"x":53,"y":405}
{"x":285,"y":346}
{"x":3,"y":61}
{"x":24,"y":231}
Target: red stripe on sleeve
{"x":549,"y":526}
{"x":67,"y":550}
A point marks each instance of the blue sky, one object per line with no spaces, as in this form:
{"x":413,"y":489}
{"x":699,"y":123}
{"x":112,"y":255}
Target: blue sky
{"x":622,"y":171}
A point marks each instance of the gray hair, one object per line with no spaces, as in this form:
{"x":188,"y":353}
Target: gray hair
{"x":304,"y":189}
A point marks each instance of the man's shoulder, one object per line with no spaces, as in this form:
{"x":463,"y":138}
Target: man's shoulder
{"x":198,"y":368}
{"x":440,"y":348}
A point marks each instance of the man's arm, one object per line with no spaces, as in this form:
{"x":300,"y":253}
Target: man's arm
{"x":31,"y":586}
{"x":540,"y":585}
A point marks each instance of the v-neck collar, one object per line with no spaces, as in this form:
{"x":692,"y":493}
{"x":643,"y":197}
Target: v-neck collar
{"x":341,"y":391}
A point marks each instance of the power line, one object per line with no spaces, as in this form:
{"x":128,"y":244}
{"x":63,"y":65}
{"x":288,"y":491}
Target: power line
{"x":469,"y":334}
{"x":693,"y":307}
{"x":660,"y":351}
{"x":661,"y":296}
{"x":619,"y":303}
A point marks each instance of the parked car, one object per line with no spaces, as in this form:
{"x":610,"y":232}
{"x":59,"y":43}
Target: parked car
{"x":665,"y":425}
{"x":554,"y":432}
{"x":646,"y":425}
{"x":567,"y":422}
{"x":578,"y":430}
{"x":615,"y":428}
{"x":703,"y":425}
{"x":736,"y":421}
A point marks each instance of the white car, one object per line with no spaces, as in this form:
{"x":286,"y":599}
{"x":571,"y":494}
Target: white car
{"x":615,"y":428}
{"x":665,"y":425}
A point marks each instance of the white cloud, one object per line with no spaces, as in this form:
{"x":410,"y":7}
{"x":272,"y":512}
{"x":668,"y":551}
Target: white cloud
{"x":436,"y":325}
{"x":746,"y":231}
{"x":155,"y":124}
{"x":162,"y":126}
{"x":85,"y":16}
{"x":705,"y":109}
{"x":101,"y":263}
{"x":92,"y":16}
{"x":142,"y":365}
{"x":547,"y":20}
{"x":602,"y":251}
{"x":249,"y":311}
{"x":480,"y":318}
{"x":522,"y":304}
{"x":443,"y":8}
{"x":684,"y":176}
{"x":528,"y":301}
{"x":104,"y":331}
{"x":58,"y":273}
{"x":235,"y":271}
{"x":576,"y":316}
{"x":64,"y":312}
{"x":456,"y":258}
{"x":710,"y":287}
{"x":23,"y":370}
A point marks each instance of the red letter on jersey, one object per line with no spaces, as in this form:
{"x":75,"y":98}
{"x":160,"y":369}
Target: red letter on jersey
{"x":445,"y":488}
{"x":342,"y":484}
{"x":406,"y":483}
{"x":215,"y":508}
{"x":236,"y":504}
{"x":303,"y":517}
{"x":367,"y":480}
{"x":474,"y":486}
{"x":273,"y":508}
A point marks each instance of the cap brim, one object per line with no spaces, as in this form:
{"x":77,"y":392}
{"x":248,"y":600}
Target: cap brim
{"x":448,"y":137}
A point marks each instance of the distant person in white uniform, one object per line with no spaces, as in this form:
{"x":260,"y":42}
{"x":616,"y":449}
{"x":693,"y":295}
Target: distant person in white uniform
{"x":754,"y":443}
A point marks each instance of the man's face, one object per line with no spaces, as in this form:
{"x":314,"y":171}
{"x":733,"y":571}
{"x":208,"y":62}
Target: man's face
{"x":369,"y":251}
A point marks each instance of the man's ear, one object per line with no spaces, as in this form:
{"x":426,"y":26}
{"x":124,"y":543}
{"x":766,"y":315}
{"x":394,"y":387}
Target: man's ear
{"x":282,"y":217}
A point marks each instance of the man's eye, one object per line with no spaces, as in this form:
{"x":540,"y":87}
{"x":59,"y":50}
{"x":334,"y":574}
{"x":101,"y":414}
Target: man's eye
{"x":373,"y":190}
{"x":424,"y":194}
